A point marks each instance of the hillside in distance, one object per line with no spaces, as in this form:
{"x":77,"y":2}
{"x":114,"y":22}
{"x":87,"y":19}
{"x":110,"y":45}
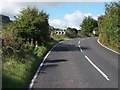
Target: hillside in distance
{"x":4,"y":19}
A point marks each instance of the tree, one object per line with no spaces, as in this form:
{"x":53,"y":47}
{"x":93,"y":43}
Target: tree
{"x":71,"y":32}
{"x":109,"y":25}
{"x":31,"y":24}
{"x":88,"y":24}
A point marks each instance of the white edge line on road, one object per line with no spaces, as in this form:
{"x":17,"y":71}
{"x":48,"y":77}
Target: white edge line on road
{"x":107,"y":47}
{"x":101,"y":72}
{"x":38,"y":70}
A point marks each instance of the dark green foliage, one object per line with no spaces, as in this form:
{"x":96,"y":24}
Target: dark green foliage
{"x":71,"y":32}
{"x":109,"y":26}
{"x":88,"y":24}
{"x":20,"y":59}
{"x":32,"y":24}
{"x":4,"y":19}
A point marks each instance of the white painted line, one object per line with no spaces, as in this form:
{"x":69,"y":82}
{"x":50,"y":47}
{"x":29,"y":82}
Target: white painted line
{"x":79,"y":43}
{"x":80,"y":46}
{"x":101,"y":72}
{"x":36,"y":74}
{"x":60,"y":41}
{"x":81,"y":50}
{"x":41,"y":64}
{"x":107,"y":47}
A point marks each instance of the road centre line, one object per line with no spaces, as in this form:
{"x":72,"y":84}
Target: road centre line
{"x":100,"y":71}
{"x":80,"y":48}
{"x":79,"y":43}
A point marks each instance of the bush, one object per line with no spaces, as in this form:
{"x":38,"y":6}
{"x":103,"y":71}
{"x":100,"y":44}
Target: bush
{"x":108,"y":26}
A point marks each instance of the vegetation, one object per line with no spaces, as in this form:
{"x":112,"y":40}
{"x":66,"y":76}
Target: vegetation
{"x":20,"y":55}
{"x":72,"y":32}
{"x":32,"y":24}
{"x":88,"y":24}
{"x":109,"y":26}
{"x":69,"y":33}
{"x":26,"y":39}
{"x":60,"y":37}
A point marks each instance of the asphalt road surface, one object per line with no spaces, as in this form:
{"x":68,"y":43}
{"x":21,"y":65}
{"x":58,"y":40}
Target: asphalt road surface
{"x":79,"y":63}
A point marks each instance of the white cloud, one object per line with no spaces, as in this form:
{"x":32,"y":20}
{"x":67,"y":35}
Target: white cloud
{"x":11,"y":9}
{"x":57,"y":23}
{"x":72,"y":20}
{"x":87,"y":14}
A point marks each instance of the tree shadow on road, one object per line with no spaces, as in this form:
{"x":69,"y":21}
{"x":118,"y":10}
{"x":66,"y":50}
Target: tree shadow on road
{"x":50,"y":64}
{"x":68,"y":47}
{"x":84,"y":48}
{"x":55,"y":61}
{"x":65,"y":47}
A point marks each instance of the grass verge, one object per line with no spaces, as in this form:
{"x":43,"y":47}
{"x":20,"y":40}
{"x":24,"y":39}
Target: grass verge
{"x":113,"y":46}
{"x":18,"y":74}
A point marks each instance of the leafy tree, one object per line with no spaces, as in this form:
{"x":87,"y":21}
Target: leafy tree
{"x":109,"y":25}
{"x":88,"y":24}
{"x":31,"y":24}
{"x":71,"y":32}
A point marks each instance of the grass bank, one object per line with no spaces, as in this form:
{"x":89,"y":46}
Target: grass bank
{"x":17,"y":72}
{"x":60,"y":37}
{"x":112,"y":45}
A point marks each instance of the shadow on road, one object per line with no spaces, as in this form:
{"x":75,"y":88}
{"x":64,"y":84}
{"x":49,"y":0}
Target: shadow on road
{"x":68,"y":47}
{"x":65,"y":47}
{"x":84,"y":48}
{"x":55,"y":61}
{"x":50,"y":64}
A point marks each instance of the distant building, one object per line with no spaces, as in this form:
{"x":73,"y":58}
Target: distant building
{"x":60,"y":32}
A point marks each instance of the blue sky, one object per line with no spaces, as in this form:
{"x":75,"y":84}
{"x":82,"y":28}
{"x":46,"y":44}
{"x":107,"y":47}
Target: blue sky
{"x":61,"y":14}
{"x":58,"y":11}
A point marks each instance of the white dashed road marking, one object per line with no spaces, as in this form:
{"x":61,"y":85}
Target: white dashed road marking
{"x":100,"y":71}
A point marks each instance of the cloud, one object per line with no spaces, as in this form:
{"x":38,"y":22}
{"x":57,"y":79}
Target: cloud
{"x":57,"y":23}
{"x":72,"y":20}
{"x":11,"y":9}
{"x":87,"y":14}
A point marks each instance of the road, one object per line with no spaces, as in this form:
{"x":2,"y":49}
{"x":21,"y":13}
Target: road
{"x":79,"y":63}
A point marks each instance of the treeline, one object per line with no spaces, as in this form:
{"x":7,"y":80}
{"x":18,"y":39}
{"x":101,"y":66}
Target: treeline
{"x":109,"y":26}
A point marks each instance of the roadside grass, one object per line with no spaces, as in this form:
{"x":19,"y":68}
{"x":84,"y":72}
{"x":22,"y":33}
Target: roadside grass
{"x":18,"y":74}
{"x":112,"y":45}
{"x":60,"y":37}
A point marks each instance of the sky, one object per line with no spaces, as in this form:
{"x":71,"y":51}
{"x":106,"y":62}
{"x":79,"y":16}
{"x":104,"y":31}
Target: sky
{"x":61,"y":14}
